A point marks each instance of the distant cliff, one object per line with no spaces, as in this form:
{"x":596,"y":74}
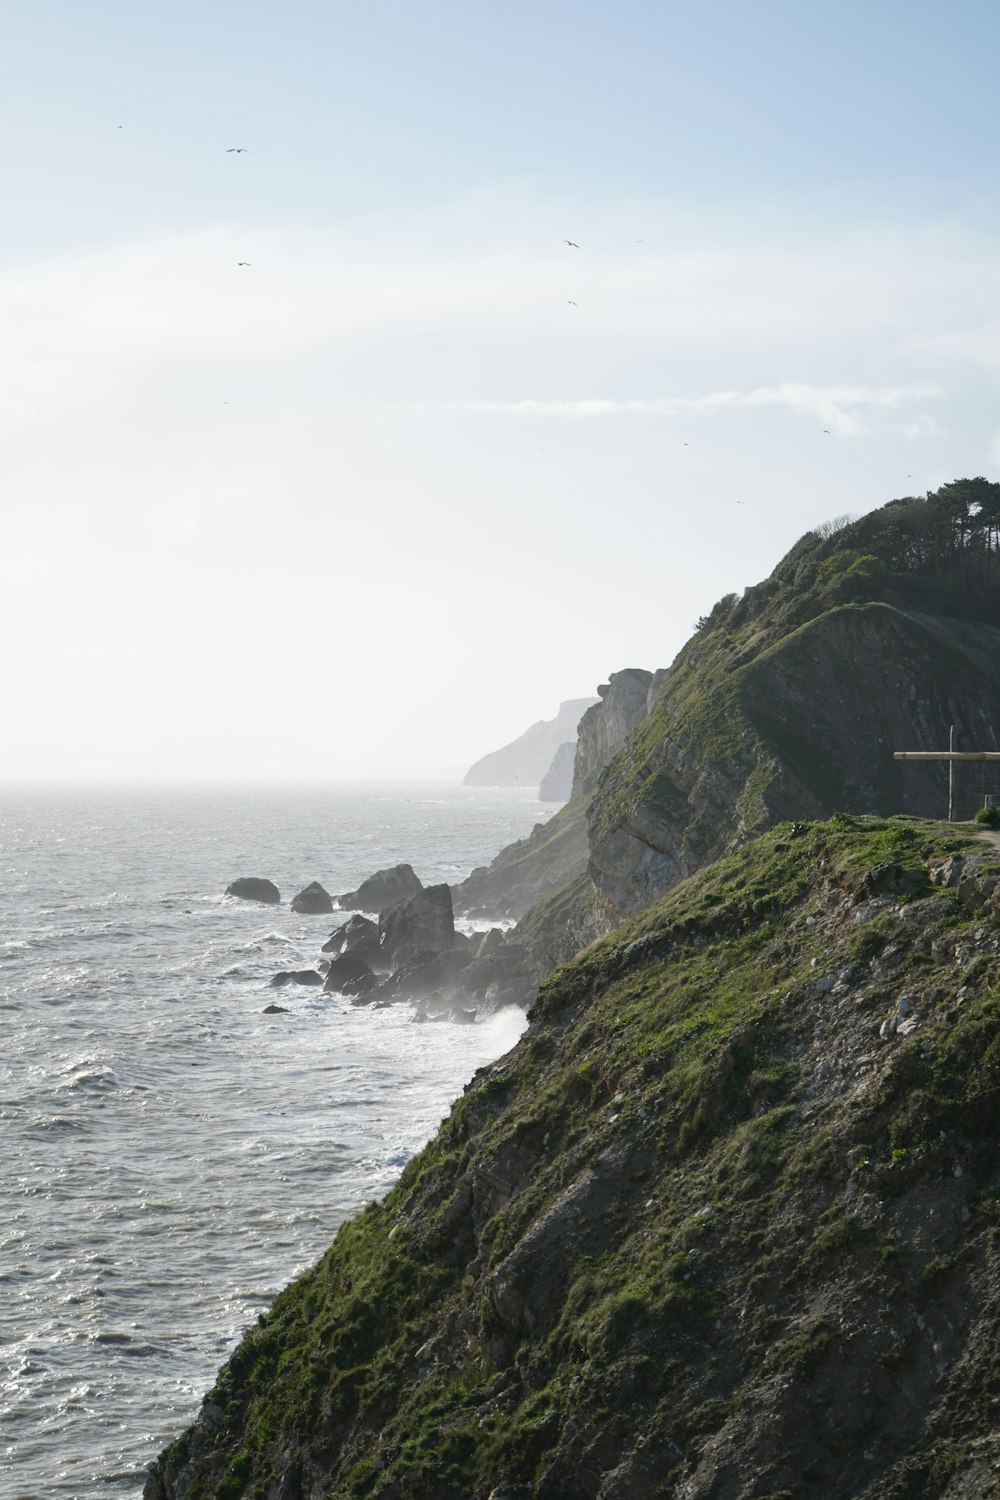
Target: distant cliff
{"x":557,"y":783}
{"x":555,"y":852}
{"x":526,"y":760}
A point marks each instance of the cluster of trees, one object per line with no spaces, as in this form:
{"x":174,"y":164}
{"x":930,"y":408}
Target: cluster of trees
{"x":953,"y":530}
{"x":939,"y":551}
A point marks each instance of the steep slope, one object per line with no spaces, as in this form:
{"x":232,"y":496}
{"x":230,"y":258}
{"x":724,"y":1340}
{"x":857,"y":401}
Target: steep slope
{"x":787,"y":702}
{"x":525,"y":761}
{"x":556,"y":852}
{"x":725,"y":1223}
{"x":790,"y":701}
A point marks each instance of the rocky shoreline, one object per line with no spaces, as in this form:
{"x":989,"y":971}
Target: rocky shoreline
{"x":724,"y":1224}
{"x":399,"y":940}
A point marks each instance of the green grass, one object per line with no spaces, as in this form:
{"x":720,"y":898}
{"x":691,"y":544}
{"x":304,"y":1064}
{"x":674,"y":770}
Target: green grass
{"x":660,"y":1088}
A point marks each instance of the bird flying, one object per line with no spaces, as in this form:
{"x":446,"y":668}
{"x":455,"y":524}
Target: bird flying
{"x":240,"y":150}
{"x":572,"y":243}
{"x":243,"y":263}
{"x":571,"y":304}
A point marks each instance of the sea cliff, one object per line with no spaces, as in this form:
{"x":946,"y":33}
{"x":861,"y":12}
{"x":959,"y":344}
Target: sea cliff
{"x":725,"y":1222}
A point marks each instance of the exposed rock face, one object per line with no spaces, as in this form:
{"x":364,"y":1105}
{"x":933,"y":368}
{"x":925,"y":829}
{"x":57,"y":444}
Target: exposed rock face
{"x":312,"y":901}
{"x":382,"y":889}
{"x":721,"y":1226}
{"x":605,"y":727}
{"x":739,"y":739}
{"x":555,"y":852}
{"x":525,"y":760}
{"x":422,"y":924}
{"x":557,"y":783}
{"x":428,"y":974}
{"x":251,"y":888}
{"x":344,"y":971}
{"x":358,"y":935}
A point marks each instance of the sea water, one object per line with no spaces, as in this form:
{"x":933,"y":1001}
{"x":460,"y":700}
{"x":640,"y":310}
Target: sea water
{"x":171,"y":1156}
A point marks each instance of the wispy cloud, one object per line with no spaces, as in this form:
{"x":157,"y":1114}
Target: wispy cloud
{"x":923,"y":426}
{"x":840,"y":405}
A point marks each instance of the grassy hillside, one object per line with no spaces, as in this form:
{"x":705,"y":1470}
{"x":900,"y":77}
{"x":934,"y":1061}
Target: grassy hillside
{"x":725,"y":1223}
{"x":789,"y":700}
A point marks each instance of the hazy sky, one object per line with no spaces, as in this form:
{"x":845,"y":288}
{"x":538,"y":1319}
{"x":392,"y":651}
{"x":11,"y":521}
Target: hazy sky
{"x":383,"y":497}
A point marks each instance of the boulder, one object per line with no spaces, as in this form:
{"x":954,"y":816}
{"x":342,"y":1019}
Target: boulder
{"x":343,"y":971}
{"x":296,"y":976}
{"x":313,"y":901}
{"x":501,"y":976}
{"x":359,"y":935}
{"x":422,"y":923}
{"x":486,"y":942}
{"x":427,"y":973}
{"x":441,"y":1008}
{"x":381,"y":890}
{"x":250,"y":888}
{"x":362,"y":989}
{"x":275,"y":1010}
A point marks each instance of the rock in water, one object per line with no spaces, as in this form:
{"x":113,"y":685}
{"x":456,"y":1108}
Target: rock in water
{"x":313,"y":901}
{"x":423,"y":923}
{"x":345,"y":971}
{"x":350,"y":934}
{"x":295,"y":976}
{"x":358,"y":935}
{"x":251,"y":888}
{"x":382,"y":889}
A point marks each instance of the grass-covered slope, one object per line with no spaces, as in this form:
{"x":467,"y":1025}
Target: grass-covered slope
{"x":725,"y":1223}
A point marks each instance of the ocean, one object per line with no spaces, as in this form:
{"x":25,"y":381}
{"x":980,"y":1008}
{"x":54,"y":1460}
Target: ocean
{"x":172,"y":1156}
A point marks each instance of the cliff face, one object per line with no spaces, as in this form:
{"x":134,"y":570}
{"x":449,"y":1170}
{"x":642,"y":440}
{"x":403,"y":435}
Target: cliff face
{"x":556,"y":852}
{"x":790,"y":702}
{"x":557,"y":783}
{"x":526,"y":760}
{"x":787,"y":703}
{"x":604,"y":728}
{"x":724,"y":1224}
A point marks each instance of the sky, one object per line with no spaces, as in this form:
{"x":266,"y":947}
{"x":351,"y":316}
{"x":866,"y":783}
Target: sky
{"x":374,"y":502}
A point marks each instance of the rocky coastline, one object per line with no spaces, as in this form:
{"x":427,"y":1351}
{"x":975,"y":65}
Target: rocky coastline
{"x":723,"y":1225}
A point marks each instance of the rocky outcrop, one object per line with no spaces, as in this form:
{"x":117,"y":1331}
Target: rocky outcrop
{"x":605,"y":728}
{"x":252,"y":888}
{"x":422,"y":925}
{"x":381,"y":890}
{"x":557,"y":783}
{"x":556,"y":852}
{"x":344,"y":972}
{"x":312,"y":901}
{"x":740,"y":738}
{"x":295,"y":976}
{"x":358,"y":935}
{"x":722,"y":1225}
{"x":525,"y":761}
